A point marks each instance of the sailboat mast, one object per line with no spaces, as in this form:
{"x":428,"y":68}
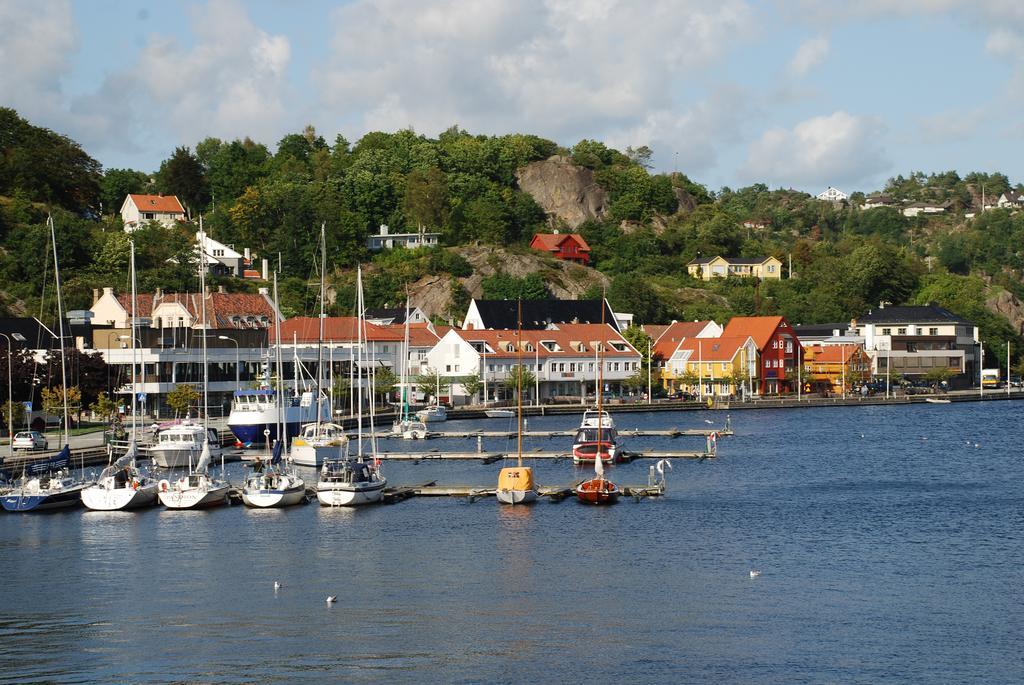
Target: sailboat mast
{"x":519,"y":384}
{"x":359,"y":360}
{"x":599,"y":468}
{"x":279,"y":390}
{"x":202,"y":309}
{"x":320,"y":338}
{"x":60,"y":324}
{"x":135,"y":388}
{"x":405,"y":362}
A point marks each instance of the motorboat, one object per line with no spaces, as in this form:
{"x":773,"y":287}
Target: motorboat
{"x":317,"y":443}
{"x":433,"y":413}
{"x":410,"y":429}
{"x":349,"y":483}
{"x":255,"y":415}
{"x":592,"y":418}
{"x":46,"y":484}
{"x":181,"y":444}
{"x":273,"y":485}
{"x":591,"y":441}
{"x":121,"y":485}
{"x":596,"y":440}
{"x":195,"y":490}
{"x":499,"y":413}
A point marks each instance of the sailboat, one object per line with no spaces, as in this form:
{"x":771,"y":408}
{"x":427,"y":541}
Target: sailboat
{"x":435,"y":411}
{"x":404,"y":426}
{"x":198,"y":489}
{"x":121,"y":485}
{"x":276,"y":485}
{"x":49,"y":484}
{"x":515,"y":483}
{"x":598,"y":490}
{"x":597,"y":437}
{"x":344,"y":481}
{"x":319,"y":441}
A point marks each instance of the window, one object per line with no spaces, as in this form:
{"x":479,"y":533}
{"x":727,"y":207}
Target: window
{"x":933,"y":331}
{"x":771,"y":268}
{"x":775,"y":344}
{"x":448,"y":368}
{"x":456,"y":368}
{"x":789,"y":346}
{"x":901,"y":331}
{"x":886,"y":331}
{"x":147,"y":215}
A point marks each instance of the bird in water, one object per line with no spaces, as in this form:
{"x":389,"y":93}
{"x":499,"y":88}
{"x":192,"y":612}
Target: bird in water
{"x":331,"y":599}
{"x":277,"y":586}
{"x":708,"y":421}
{"x":755,"y":574}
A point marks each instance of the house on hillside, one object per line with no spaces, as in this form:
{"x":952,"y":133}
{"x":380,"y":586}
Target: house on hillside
{"x":395,"y":315}
{"x":1011,"y":199}
{"x":777,"y":346}
{"x":707,"y":269}
{"x":386,"y":240}
{"x":569,"y":247}
{"x":183,"y":310}
{"x":832,"y":194}
{"x":930,"y":207}
{"x":874,"y":201}
{"x":138,"y":209}
{"x":538,"y":314}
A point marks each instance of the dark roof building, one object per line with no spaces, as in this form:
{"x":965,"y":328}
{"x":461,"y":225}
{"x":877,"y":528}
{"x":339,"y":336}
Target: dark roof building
{"x":912,"y":314}
{"x":536,"y":314}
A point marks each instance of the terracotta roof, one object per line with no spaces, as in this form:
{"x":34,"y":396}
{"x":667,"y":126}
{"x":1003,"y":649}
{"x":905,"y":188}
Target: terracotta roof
{"x":223,"y":310}
{"x":568,"y":338}
{"x":158,"y":203}
{"x":552,"y":241}
{"x":834,"y":354}
{"x":760,"y":328}
{"x":722,"y":349}
{"x":665,"y":345}
{"x":420,"y":334}
{"x":306,"y":329}
{"x":143,"y":303}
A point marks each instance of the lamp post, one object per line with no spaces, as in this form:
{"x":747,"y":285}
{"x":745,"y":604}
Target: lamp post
{"x":10,"y":389}
{"x":232,"y":340}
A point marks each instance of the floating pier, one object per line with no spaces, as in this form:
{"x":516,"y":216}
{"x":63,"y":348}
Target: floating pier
{"x":670,"y":433}
{"x":490,"y":457}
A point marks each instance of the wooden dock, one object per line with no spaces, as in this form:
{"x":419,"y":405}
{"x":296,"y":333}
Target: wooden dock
{"x":670,"y":433}
{"x":490,"y":457}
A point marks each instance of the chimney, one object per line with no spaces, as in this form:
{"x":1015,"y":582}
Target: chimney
{"x":383,"y":229}
{"x":266,"y":270}
{"x":264,"y":291}
{"x":158,"y":294}
{"x":220,"y":289}
{"x":246,"y":254}
{"x":108,"y":291}
{"x":95,"y":294}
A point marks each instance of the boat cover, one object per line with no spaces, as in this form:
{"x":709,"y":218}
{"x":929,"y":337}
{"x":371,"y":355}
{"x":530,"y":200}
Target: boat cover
{"x":55,"y":463}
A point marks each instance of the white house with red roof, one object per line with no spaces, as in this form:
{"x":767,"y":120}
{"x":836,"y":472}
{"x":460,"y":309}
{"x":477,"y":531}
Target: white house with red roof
{"x":138,"y":209}
{"x":564,"y":359}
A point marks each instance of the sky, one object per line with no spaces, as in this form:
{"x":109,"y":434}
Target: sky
{"x":801,"y":94}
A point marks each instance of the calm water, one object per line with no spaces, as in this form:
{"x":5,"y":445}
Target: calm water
{"x":889,"y":541}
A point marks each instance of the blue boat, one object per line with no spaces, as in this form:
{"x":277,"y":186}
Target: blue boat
{"x":46,"y":485}
{"x":255,"y":411}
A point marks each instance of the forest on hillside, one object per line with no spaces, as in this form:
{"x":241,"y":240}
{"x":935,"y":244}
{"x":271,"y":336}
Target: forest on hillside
{"x":845,"y":259}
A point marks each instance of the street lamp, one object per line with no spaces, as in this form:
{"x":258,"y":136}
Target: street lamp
{"x":10,"y":391}
{"x":224,"y":337}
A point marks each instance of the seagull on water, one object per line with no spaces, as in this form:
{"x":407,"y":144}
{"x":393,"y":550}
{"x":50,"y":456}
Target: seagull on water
{"x":277,"y":586}
{"x":331,"y":599}
{"x":755,"y":574}
{"x":708,"y":421}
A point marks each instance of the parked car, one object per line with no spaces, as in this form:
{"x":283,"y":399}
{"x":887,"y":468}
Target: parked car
{"x":29,"y":440}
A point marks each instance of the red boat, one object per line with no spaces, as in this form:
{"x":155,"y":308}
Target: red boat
{"x":598,"y":490}
{"x":587,"y":445}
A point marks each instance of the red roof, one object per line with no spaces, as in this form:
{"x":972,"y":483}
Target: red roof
{"x":831,"y":354}
{"x":420,"y":334}
{"x":553,"y":241}
{"x":158,"y":203}
{"x":306,"y":329}
{"x":223,"y":310}
{"x":568,"y":338}
{"x":665,"y":344}
{"x":760,"y":328}
{"x":722,"y":349}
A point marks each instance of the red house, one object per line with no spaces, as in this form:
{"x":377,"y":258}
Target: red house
{"x":568,"y":246}
{"x":778,"y":349}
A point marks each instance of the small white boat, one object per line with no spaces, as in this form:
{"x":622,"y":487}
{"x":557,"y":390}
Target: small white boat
{"x":274,"y":486}
{"x":349,"y":483}
{"x":410,"y":430}
{"x":593,"y":418}
{"x":499,"y":413}
{"x":317,"y":443}
{"x":197,"y":490}
{"x":433,"y":413}
{"x":121,"y":486}
{"x":936,"y":400}
{"x":182,"y":444}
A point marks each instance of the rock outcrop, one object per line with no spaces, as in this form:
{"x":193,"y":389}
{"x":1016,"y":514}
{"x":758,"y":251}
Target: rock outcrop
{"x":566,"y":192}
{"x":1007,"y":305}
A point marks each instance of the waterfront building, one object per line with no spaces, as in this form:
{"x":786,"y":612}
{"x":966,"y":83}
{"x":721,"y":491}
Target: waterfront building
{"x":710,"y":268}
{"x":835,"y":368}
{"x":566,"y":246}
{"x":778,"y":349}
{"x":911,"y":341}
{"x":540,"y":314}
{"x":667,"y":357}
{"x":719,"y":366}
{"x":138,"y":209}
{"x":832,"y":194}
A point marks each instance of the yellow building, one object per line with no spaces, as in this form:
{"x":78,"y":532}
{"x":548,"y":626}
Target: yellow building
{"x":721,"y":267}
{"x":712,"y":366}
{"x":835,"y":368}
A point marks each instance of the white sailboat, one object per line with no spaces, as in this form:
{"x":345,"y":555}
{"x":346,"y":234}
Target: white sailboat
{"x":276,"y":485}
{"x":49,"y":484}
{"x":198,"y":489}
{"x":404,"y":426}
{"x":435,"y":411}
{"x":516,"y":484}
{"x":319,"y":441}
{"x":344,"y":481}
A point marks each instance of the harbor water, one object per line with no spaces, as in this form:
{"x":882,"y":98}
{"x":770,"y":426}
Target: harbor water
{"x":888,"y":540}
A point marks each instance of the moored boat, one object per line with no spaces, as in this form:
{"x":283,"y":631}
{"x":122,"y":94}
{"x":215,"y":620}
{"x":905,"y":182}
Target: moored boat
{"x":317,"y":443}
{"x":515,"y":483}
{"x":274,"y":485}
{"x":45,"y":485}
{"x":433,"y":413}
{"x":499,"y":413}
{"x":349,"y":483}
{"x":593,"y":441}
{"x":255,"y":413}
{"x":181,"y":445}
{"x":121,"y":486}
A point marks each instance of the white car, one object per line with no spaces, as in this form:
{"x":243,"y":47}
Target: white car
{"x":29,"y":440}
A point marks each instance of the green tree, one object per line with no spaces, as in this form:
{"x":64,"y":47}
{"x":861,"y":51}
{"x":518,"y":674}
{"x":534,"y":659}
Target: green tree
{"x":640,"y":341}
{"x":14,"y":414}
{"x":472,"y":384}
{"x":384,"y":381}
{"x":183,"y":175}
{"x":520,"y":376}
{"x":104,"y":407}
{"x":117,"y":184}
{"x":426,"y":198}
{"x":182,"y":398}
{"x":54,"y":400}
{"x":428,"y":382}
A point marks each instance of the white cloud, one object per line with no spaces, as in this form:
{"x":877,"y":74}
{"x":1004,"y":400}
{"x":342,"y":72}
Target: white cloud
{"x":37,"y":41}
{"x":567,"y":70}
{"x":810,"y":54}
{"x":838,"y":149}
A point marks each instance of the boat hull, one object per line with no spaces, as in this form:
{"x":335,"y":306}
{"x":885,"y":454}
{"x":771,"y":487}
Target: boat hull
{"x":432,"y":415}
{"x":500,"y":413}
{"x":597,"y":491}
{"x":99,"y":498}
{"x":177,"y":458}
{"x":586,"y":453}
{"x":269,"y":499}
{"x":174,"y":498}
{"x":20,"y":502}
{"x":349,"y":495}
{"x":516,"y":496}
{"x":315,"y":455}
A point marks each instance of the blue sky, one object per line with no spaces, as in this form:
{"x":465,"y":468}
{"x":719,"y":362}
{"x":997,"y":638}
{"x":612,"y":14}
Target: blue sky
{"x":803,"y":94}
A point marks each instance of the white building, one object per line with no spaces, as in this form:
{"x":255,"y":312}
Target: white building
{"x":832,"y":194}
{"x":385,"y":240}
{"x":138,"y":209}
{"x":917,"y":208}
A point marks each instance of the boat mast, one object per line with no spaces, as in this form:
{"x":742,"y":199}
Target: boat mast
{"x":279,"y":390}
{"x":202,"y":309}
{"x":519,"y":384}
{"x":598,"y":466}
{"x":320,"y":338}
{"x":359,"y":360}
{"x":60,"y":324}
{"x":135,"y":388}
{"x":405,"y":362}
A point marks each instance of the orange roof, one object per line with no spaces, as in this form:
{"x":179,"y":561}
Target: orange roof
{"x":306,"y":329}
{"x":826,"y":354}
{"x":760,"y":328}
{"x":420,"y":334}
{"x":223,"y":310}
{"x":158,"y":203}
{"x":722,"y":349}
{"x":666,"y":343}
{"x":567,"y":341}
{"x":553,"y":241}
